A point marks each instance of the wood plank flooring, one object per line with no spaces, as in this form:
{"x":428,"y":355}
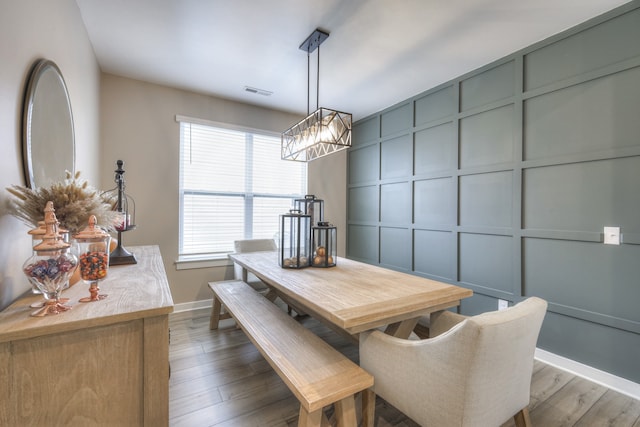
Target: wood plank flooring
{"x":218,"y":378}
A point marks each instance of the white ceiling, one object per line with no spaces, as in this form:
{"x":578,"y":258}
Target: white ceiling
{"x":379,"y":52}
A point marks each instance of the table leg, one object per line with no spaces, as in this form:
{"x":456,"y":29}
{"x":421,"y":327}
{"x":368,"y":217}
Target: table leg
{"x":402,"y":329}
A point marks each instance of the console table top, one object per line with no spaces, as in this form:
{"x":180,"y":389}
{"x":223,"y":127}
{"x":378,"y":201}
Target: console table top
{"x":133,"y":291}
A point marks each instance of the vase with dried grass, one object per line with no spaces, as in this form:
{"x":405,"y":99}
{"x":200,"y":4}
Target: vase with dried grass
{"x":74,"y":200}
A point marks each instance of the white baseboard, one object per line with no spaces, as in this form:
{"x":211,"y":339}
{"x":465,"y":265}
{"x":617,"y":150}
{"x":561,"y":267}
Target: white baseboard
{"x":606,"y":379}
{"x":194,"y":305}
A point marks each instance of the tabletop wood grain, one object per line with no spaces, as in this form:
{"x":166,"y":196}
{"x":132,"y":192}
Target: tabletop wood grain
{"x":353,"y":295}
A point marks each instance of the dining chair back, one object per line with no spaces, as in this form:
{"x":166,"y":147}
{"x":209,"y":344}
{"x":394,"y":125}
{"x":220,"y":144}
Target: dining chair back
{"x":472,"y":371}
{"x":252,"y":245}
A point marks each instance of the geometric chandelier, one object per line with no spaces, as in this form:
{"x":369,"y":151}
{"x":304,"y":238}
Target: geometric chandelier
{"x":322,"y":132}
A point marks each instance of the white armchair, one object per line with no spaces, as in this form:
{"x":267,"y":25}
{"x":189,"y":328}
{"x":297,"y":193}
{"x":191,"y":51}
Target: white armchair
{"x":472,"y":371}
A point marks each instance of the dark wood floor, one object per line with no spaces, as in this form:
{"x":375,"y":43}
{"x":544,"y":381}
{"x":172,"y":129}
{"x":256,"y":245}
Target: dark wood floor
{"x":218,"y":378}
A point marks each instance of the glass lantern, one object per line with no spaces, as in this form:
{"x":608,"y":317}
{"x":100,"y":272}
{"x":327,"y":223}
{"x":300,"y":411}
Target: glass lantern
{"x":294,"y":239}
{"x":311,"y":206}
{"x":323,"y":244}
{"x":126,"y":208}
{"x":93,"y":253}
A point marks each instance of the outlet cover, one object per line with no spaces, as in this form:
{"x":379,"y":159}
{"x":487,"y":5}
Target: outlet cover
{"x":502,"y":304}
{"x":612,"y":235}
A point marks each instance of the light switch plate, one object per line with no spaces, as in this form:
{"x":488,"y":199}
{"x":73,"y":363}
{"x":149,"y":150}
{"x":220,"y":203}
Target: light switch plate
{"x":612,"y":235}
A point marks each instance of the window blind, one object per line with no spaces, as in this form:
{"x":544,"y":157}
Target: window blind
{"x":233,"y":185}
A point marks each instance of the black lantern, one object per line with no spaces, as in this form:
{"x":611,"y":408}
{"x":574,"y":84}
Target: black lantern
{"x":126,"y":207}
{"x":311,"y":206}
{"x":294,"y":239}
{"x":323,"y":245}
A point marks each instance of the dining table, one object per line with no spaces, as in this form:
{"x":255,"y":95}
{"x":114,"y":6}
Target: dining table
{"x":354,"y":296}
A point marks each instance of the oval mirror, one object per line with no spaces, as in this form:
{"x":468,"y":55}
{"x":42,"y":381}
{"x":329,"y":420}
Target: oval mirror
{"x":47,"y":128}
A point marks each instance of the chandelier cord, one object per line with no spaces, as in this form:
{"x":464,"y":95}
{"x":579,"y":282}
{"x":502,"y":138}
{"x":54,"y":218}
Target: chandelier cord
{"x":308,"y":80}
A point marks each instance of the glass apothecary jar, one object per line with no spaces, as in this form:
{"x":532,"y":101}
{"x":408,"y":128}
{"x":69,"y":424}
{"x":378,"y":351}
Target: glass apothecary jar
{"x":294,"y":239}
{"x":50,"y":266}
{"x":324,"y":245}
{"x":92,"y":245}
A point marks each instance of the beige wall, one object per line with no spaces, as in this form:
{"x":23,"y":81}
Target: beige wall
{"x":138,"y":126}
{"x":29,"y":30}
{"x":118,"y":118}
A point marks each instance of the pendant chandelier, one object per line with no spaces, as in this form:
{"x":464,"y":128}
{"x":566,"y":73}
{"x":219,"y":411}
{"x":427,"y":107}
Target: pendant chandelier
{"x":322,"y":132}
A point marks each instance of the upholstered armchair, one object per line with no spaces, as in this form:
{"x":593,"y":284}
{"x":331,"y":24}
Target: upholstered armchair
{"x":472,"y":371}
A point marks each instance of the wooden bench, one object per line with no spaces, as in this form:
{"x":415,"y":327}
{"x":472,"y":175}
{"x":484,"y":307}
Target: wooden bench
{"x":316,"y":373}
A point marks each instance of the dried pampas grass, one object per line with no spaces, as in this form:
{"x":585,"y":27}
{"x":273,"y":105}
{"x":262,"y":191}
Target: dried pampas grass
{"x":73,"y":199}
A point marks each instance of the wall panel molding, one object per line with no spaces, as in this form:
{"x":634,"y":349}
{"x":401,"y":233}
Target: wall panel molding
{"x":509,"y":174}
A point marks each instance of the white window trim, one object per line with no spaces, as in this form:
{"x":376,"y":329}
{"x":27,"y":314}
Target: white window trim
{"x":207,"y":261}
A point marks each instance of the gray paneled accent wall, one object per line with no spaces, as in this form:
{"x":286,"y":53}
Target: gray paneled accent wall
{"x":502,"y":181}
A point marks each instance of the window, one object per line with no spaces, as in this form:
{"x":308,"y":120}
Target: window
{"x":233,"y":185}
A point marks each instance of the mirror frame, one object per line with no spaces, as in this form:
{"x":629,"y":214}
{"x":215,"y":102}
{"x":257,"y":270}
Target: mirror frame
{"x":36,"y":155}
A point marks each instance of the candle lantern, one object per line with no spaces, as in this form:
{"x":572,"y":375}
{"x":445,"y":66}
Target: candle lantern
{"x":294,"y":239}
{"x":126,"y":207}
{"x":323,"y":245}
{"x":311,"y":206}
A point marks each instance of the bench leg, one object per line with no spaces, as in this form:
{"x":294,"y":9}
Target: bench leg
{"x":313,"y":419}
{"x":346,"y":412}
{"x":368,"y":407}
{"x":216,"y":314}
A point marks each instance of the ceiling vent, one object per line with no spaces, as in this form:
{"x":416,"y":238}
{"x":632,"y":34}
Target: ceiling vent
{"x":257,"y":91}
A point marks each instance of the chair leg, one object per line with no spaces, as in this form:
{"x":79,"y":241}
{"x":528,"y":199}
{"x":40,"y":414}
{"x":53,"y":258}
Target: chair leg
{"x":522,"y":418}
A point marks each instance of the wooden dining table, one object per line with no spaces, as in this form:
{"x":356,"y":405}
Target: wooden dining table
{"x":354,"y":296}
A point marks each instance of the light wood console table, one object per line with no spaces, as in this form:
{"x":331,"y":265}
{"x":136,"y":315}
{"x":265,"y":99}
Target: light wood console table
{"x":101,"y":363}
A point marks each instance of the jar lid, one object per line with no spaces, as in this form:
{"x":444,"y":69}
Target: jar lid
{"x":91,"y":231}
{"x":39,"y":230}
{"x":51,"y":240}
{"x":51,"y":245}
